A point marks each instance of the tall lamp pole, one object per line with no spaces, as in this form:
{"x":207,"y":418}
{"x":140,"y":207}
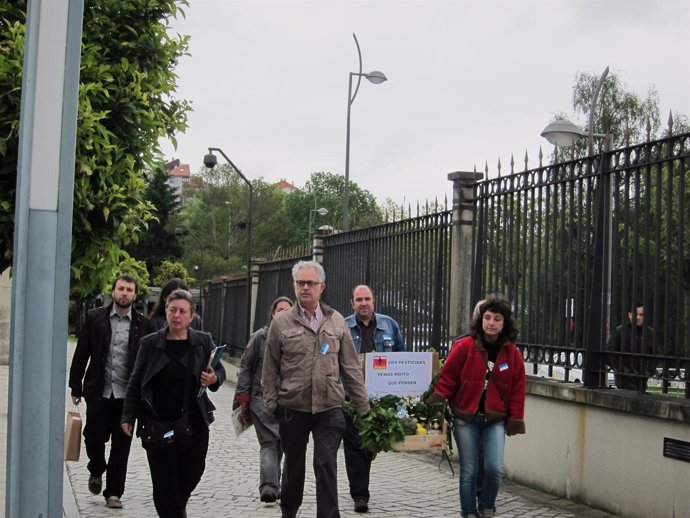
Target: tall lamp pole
{"x":210,"y":161}
{"x":565,"y":133}
{"x":376,"y":78}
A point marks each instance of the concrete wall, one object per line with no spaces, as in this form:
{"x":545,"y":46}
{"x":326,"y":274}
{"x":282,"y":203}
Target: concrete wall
{"x":5,"y":316}
{"x":603,"y":448}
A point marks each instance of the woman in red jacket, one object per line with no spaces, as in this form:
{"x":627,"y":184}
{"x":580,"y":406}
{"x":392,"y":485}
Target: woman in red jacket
{"x":483,"y":378}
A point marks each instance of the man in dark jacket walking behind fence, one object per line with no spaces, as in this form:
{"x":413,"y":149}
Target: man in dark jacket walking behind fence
{"x":108,"y":342}
{"x":634,"y":337}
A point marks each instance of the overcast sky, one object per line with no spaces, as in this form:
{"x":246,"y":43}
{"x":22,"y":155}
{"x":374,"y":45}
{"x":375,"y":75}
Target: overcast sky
{"x":469,"y":82}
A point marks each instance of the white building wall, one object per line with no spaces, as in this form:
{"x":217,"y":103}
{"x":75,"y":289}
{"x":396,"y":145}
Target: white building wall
{"x":610,"y":458}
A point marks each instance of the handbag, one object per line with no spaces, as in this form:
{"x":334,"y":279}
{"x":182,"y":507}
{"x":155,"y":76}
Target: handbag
{"x":73,"y":434}
{"x":166,"y":438}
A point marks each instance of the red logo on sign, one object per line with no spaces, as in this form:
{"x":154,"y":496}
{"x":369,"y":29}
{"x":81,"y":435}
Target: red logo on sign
{"x":380,"y":362}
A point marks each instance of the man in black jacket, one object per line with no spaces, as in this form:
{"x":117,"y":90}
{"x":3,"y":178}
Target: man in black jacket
{"x":635,"y":337}
{"x":108,"y":342}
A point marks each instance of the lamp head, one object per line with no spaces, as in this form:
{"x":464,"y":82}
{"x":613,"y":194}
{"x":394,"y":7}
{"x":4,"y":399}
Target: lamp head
{"x":210,"y":160}
{"x":180,"y":232}
{"x":562,"y":133}
{"x":322,"y":211}
{"x":376,"y":77}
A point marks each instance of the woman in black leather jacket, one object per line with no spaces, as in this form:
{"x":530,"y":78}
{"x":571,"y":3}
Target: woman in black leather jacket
{"x":170,"y":363}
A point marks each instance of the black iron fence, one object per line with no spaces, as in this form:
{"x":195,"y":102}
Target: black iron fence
{"x":577,"y":245}
{"x":225,"y":312}
{"x":405,"y":262}
{"x":275,"y":280}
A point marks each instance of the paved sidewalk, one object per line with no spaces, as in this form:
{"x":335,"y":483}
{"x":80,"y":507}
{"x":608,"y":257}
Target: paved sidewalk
{"x":405,"y":485}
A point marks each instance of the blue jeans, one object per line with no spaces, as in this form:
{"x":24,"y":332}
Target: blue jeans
{"x":470,"y":436}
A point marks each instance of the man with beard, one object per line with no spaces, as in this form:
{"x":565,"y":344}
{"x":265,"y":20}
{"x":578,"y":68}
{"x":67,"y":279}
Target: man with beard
{"x":371,"y":332}
{"x":108,"y":342}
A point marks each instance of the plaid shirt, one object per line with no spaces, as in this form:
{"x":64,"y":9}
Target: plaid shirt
{"x":313,"y":322}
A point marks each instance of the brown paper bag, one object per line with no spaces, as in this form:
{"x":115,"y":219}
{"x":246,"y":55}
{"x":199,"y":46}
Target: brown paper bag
{"x":73,"y":436}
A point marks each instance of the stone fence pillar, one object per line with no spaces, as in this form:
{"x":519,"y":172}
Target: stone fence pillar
{"x":255,"y":294}
{"x":464,"y":210}
{"x":317,"y":245}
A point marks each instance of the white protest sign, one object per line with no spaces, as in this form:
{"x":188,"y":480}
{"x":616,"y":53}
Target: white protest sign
{"x":397,"y":373}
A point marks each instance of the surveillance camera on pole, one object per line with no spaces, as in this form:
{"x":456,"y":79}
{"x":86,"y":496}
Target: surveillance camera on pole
{"x":210,"y":160}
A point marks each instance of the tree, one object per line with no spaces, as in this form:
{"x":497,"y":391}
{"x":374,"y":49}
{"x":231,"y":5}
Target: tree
{"x":126,"y":103}
{"x":169,"y":269}
{"x":617,"y":108}
{"x":12,"y":20}
{"x":326,"y":190}
{"x":158,"y":242}
{"x":618,"y":111}
{"x":216,"y":214}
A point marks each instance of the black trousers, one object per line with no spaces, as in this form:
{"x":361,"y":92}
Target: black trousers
{"x":357,"y":461}
{"x":103,"y":425}
{"x":175,"y":477}
{"x":327,"y":430}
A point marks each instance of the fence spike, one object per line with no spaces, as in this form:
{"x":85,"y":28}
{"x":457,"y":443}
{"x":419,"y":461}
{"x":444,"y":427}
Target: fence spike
{"x":670,"y":123}
{"x":499,"y":167}
{"x":486,"y":170}
{"x":541,"y":157}
{"x":526,"y":161}
{"x":627,"y":134}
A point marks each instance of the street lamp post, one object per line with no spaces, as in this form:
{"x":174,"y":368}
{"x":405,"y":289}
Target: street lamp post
{"x":183,"y":231}
{"x":321,"y":212}
{"x":564,"y":133}
{"x":210,"y":161}
{"x":376,"y":78}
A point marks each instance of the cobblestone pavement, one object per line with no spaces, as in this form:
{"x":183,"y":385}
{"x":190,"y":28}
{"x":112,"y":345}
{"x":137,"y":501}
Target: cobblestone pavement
{"x":405,"y":485}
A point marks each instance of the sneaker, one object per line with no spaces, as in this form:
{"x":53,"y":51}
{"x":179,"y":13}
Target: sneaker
{"x":361,"y":505}
{"x":486,"y":513}
{"x":113,"y":502}
{"x":95,"y":485}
